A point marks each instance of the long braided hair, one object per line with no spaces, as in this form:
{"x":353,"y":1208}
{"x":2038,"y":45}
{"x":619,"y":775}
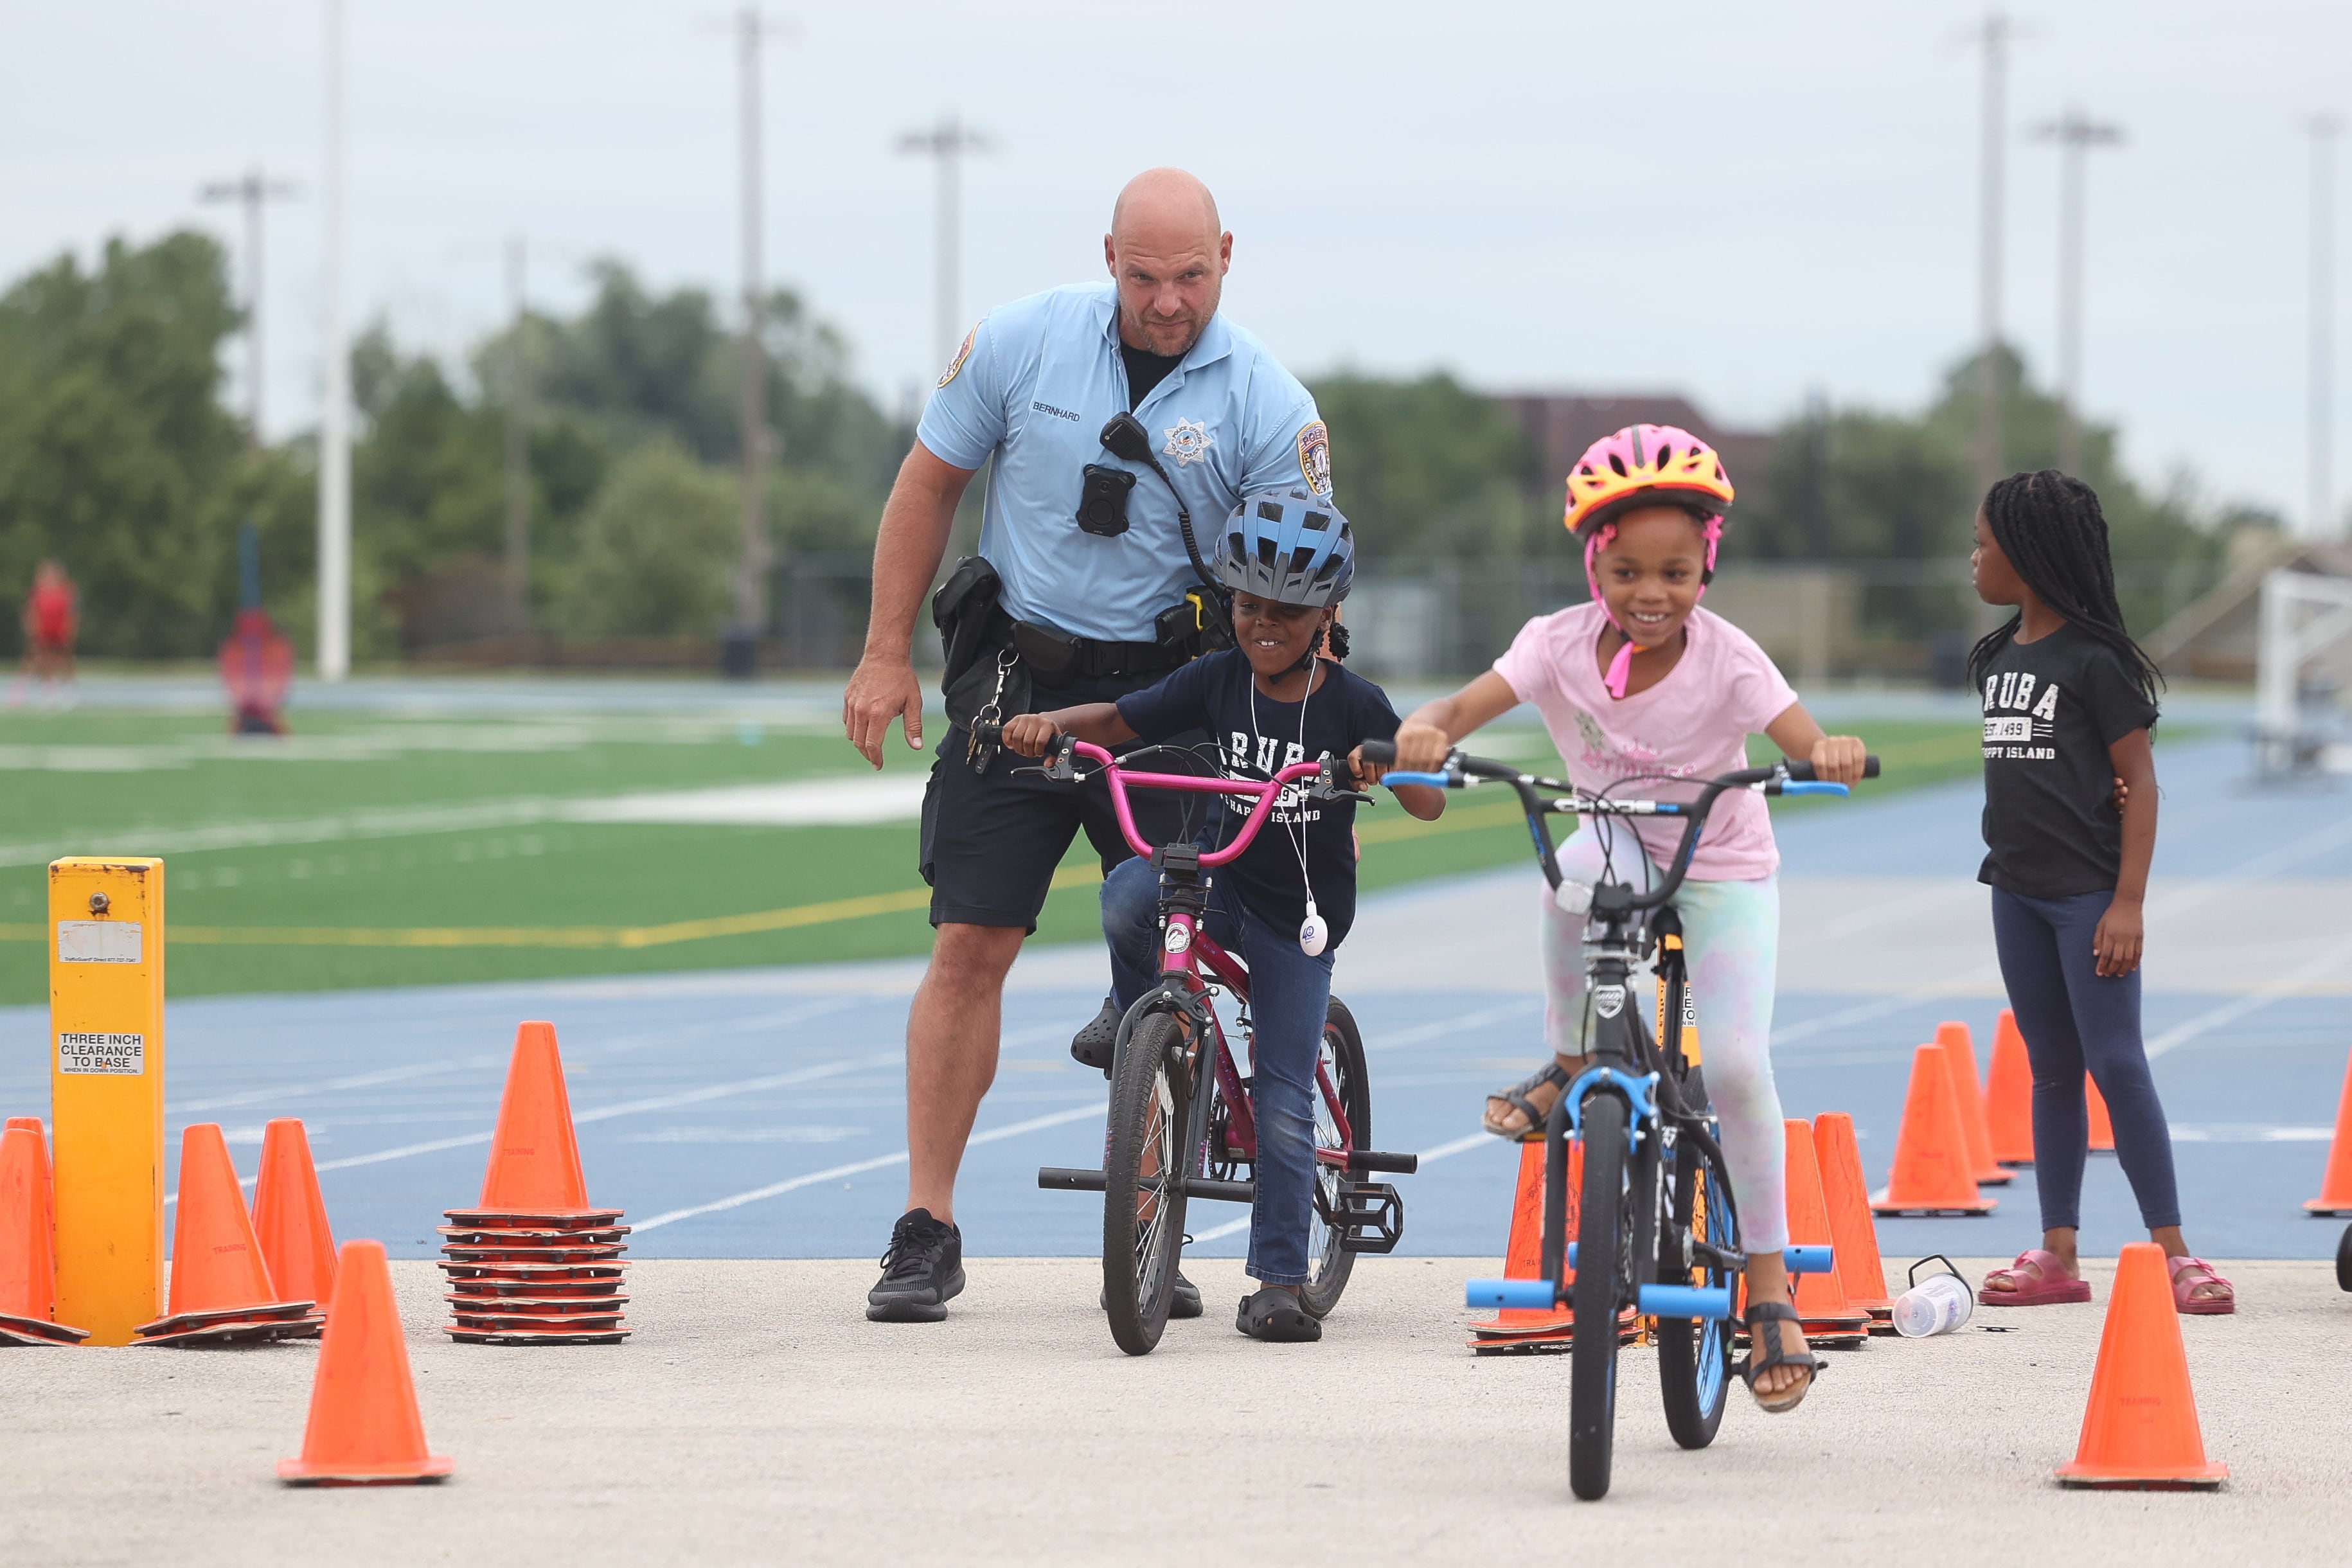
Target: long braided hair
{"x":2050,"y":526}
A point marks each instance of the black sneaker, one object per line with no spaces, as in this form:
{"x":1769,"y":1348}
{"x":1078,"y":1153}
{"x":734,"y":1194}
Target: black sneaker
{"x":1093,"y":1045}
{"x":1184,"y":1301}
{"x":923,"y":1269}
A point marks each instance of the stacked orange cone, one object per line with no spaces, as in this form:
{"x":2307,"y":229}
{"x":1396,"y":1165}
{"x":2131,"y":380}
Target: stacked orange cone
{"x":221,"y":1290}
{"x":28,"y":1268}
{"x":1933,"y":1173}
{"x":1518,"y":1328}
{"x":1961,"y":1057}
{"x":1862,"y":1273}
{"x":2009,"y":1094}
{"x":1829,"y":1316}
{"x":289,"y":1216}
{"x":534,"y":1264}
{"x":2103,"y":1130}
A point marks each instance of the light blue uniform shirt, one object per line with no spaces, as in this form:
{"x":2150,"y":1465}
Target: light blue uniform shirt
{"x":1034,"y":384}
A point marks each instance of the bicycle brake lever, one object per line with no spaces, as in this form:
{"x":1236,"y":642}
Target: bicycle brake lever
{"x":1057,"y":765}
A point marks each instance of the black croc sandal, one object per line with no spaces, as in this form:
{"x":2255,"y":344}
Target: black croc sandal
{"x":1093,"y":1044}
{"x":1552,"y":1073}
{"x":1764,"y":1353}
{"x":1274,"y":1315}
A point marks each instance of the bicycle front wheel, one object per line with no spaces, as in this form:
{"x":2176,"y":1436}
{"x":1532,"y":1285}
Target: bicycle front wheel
{"x":1695,"y":1353}
{"x":1143,"y":1183}
{"x":1603,"y":1273}
{"x":1329,"y":1261}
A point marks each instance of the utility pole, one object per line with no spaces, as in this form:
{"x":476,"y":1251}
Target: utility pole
{"x":2321,"y":504}
{"x":254,"y":190}
{"x":518,"y":433}
{"x":334,"y":608}
{"x":2076,"y":136}
{"x":751,"y":587}
{"x":945,"y":145}
{"x":1993,"y":37}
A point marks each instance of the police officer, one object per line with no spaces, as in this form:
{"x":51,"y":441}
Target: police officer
{"x":1093,"y":594}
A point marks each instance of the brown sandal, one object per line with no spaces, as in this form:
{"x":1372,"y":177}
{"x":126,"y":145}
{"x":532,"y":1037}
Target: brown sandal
{"x":1516,"y":1098}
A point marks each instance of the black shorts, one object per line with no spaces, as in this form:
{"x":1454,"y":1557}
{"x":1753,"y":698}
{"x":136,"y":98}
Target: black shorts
{"x":992,"y":842}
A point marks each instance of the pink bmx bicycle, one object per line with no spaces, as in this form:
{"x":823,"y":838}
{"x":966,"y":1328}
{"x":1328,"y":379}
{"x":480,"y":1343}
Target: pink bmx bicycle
{"x":1180,"y":1124}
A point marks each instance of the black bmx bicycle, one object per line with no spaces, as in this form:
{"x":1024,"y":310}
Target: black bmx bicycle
{"x":1181,"y":1116}
{"x":1658,"y":1224}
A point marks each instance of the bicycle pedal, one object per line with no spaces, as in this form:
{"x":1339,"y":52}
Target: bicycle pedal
{"x":1371,"y":1214}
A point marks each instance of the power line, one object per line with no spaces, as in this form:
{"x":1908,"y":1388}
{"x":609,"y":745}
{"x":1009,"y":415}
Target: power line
{"x":2075,"y":135}
{"x":2320,"y":505}
{"x":254,"y":190}
{"x":945,"y":145}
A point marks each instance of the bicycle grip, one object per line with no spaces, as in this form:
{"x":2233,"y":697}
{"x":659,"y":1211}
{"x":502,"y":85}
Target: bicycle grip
{"x":1803,"y":772}
{"x":1381,"y":752}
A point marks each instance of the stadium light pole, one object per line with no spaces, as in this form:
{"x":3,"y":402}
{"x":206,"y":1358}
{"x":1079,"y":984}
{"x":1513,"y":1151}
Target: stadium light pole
{"x":253,"y":190}
{"x":335,"y":606}
{"x":945,"y":145}
{"x":749,"y":594}
{"x":1993,"y":35}
{"x":2075,"y":135}
{"x":517,"y":440}
{"x":2321,"y":502}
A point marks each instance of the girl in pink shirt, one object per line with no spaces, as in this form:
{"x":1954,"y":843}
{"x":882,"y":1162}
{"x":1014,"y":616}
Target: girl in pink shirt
{"x":1640,"y":683}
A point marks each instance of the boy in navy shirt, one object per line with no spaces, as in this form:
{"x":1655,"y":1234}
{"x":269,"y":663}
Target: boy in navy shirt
{"x":1270,"y":702}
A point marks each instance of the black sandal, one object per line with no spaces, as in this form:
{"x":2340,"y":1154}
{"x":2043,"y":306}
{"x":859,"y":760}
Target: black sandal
{"x":1274,"y":1315}
{"x":1764,"y":1353}
{"x":1552,"y":1073}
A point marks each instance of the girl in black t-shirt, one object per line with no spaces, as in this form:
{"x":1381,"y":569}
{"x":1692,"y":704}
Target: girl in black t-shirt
{"x":2069,"y":706}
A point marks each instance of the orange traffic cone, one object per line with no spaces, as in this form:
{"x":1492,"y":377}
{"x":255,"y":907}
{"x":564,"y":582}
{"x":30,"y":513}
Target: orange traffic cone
{"x":534,"y":1155}
{"x":1829,"y":1316}
{"x":1932,"y":1172}
{"x":2335,"y":1187}
{"x":289,"y":1217}
{"x":2009,"y":1095}
{"x":28,"y":1268}
{"x":1862,"y":1273}
{"x":221,"y":1291}
{"x":2140,"y":1428}
{"x":1523,"y":1252}
{"x":1960,"y":1056}
{"x":32,"y":1125}
{"x":365,"y":1428}
{"x":2103,"y":1131}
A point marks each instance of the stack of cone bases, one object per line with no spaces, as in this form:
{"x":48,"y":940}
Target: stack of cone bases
{"x":1933,"y":1173}
{"x":221,"y":1290}
{"x":1862,"y":1273}
{"x":534,"y":1264}
{"x":1961,"y":1058}
{"x":2139,"y":1429}
{"x":29,"y":1269}
{"x":1520,"y":1330}
{"x":2009,"y":1095}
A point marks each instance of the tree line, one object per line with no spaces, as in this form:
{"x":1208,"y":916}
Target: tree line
{"x":119,"y":457}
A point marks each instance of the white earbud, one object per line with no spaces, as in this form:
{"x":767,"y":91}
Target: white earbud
{"x":1312,"y":932}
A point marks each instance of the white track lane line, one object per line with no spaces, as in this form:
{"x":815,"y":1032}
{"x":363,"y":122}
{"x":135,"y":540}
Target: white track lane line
{"x":858,"y":1167}
{"x":1443,"y":1152}
{"x":2230,"y":1012}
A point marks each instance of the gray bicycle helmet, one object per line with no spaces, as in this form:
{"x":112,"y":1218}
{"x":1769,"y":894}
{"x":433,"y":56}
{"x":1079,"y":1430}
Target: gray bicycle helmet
{"x":1287,"y":546}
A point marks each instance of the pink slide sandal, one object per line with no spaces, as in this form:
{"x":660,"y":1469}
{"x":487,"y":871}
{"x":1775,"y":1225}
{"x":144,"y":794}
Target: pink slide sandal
{"x":2036,"y":1279}
{"x":2188,"y":1275}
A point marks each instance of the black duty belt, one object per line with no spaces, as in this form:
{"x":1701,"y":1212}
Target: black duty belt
{"x":1056,"y":659}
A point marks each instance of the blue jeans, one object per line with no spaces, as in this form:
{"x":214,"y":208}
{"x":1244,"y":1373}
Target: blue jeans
{"x":1289,"y":994}
{"x":2073,"y":1021}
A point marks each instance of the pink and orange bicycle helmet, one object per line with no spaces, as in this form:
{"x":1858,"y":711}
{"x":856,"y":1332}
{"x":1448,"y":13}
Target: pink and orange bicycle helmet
{"x":1642,"y":465}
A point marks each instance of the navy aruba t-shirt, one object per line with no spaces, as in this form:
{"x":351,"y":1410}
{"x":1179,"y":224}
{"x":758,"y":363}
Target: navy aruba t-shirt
{"x":2051,"y":709}
{"x":1213,"y":693}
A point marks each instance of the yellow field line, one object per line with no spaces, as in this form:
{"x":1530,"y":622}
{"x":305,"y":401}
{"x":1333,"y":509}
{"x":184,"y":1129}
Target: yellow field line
{"x":826,"y":913}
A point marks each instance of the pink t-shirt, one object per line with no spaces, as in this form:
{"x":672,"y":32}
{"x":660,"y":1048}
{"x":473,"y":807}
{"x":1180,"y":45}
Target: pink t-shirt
{"x":1693,"y":724}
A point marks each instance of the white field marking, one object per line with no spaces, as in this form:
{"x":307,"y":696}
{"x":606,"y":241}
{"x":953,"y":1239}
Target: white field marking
{"x":1443,"y":1152}
{"x":831,"y":803}
{"x":2230,"y":1012}
{"x":1910,"y":903}
{"x":858,"y":1167}
{"x":606,"y":1112}
{"x":358,"y":1080}
{"x":1438,"y":1026}
{"x":2249,"y":1132}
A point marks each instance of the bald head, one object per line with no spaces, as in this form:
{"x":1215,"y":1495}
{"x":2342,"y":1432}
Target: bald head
{"x":1167,"y":254}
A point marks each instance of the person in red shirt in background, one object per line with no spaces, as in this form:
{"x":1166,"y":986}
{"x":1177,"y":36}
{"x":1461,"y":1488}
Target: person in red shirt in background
{"x":50,"y":616}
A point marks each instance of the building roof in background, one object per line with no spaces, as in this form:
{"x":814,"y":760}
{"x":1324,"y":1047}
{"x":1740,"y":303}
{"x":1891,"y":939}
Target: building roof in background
{"x":1563,"y":424}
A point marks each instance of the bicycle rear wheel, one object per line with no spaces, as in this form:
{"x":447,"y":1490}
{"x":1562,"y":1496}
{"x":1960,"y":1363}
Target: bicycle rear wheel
{"x":1695,"y":1353}
{"x":1603,"y":1270}
{"x":1143,"y":1183}
{"x":1329,"y":1262}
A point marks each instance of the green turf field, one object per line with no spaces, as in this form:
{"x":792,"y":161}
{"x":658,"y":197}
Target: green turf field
{"x":372,"y":850}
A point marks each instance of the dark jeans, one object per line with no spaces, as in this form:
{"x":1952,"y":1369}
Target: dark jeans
{"x":1289,"y":994}
{"x":2074,"y":1021}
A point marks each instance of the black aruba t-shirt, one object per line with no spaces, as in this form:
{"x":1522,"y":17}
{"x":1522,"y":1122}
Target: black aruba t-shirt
{"x":2051,"y":708}
{"x":1213,"y":693}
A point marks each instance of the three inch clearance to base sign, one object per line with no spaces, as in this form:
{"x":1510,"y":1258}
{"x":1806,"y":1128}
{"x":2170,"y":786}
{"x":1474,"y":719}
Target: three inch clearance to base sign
{"x":124,"y":1054}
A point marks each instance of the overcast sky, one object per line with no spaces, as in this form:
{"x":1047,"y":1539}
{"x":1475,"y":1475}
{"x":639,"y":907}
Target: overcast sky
{"x":1738,"y":202}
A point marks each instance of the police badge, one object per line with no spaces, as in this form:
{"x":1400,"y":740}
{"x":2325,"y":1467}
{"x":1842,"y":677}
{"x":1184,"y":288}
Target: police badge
{"x":1188,"y":441}
{"x":1315,"y":457}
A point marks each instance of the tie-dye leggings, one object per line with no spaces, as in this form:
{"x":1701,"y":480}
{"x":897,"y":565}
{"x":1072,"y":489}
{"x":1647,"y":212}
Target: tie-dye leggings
{"x":1731,"y":938}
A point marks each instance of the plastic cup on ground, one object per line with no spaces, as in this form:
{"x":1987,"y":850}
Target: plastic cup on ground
{"x":1939,"y":1304}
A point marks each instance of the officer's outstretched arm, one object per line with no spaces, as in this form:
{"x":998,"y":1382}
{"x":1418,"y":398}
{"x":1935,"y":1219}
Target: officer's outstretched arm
{"x":908,"y":549}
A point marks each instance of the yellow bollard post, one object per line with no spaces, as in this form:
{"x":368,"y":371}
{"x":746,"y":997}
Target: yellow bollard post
{"x":106,"y":1091}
